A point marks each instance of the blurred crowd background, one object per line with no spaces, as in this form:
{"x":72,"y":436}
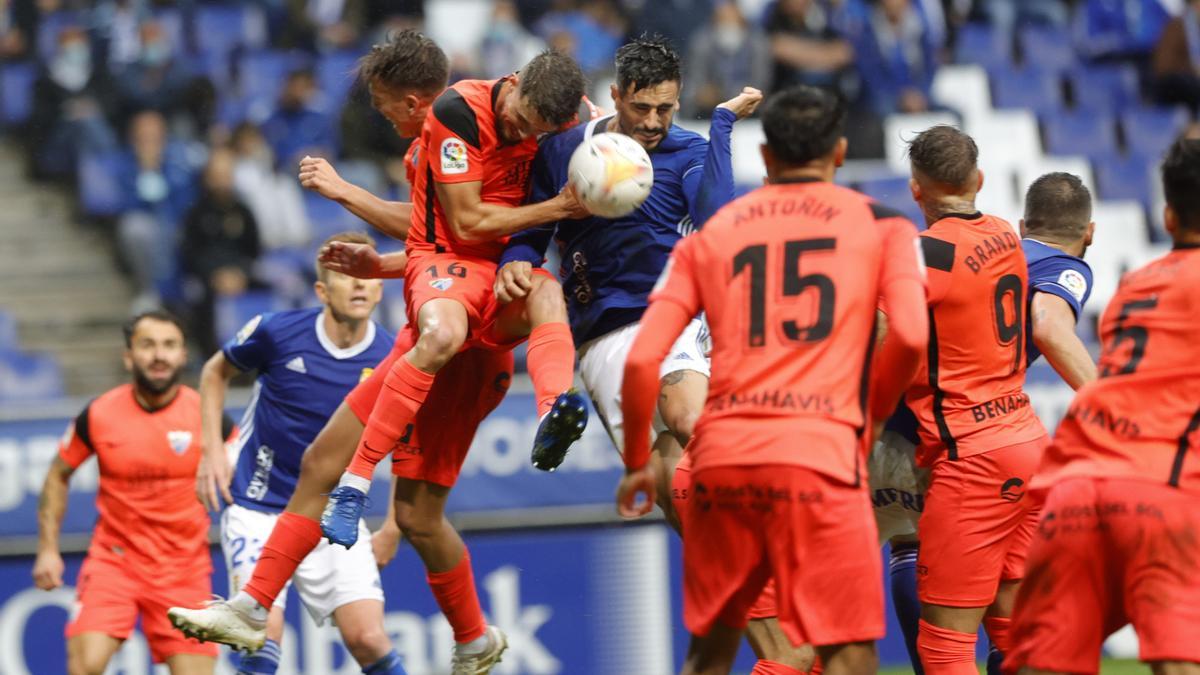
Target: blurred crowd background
{"x":177,"y":126}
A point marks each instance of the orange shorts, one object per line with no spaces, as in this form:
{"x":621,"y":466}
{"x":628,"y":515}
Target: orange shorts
{"x":747,"y":525}
{"x":111,"y":595}
{"x":468,"y":280}
{"x":977,"y":525}
{"x":1109,"y":552}
{"x":764,"y":606}
{"x":465,"y":391}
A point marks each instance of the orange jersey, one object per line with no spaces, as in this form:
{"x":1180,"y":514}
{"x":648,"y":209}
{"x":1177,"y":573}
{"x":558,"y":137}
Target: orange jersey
{"x":1141,"y":419}
{"x":968,"y":395}
{"x":789,"y":276}
{"x":149,"y":514}
{"x":460,"y":143}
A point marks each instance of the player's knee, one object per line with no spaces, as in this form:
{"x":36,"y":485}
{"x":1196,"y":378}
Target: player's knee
{"x":438,"y":344}
{"x":367,"y":644}
{"x":320,"y":467}
{"x":546,"y":302}
{"x":680,"y":421}
{"x":82,"y":662}
{"x":416,"y":527}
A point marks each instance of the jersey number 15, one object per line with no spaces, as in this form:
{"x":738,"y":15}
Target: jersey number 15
{"x":754,"y":259}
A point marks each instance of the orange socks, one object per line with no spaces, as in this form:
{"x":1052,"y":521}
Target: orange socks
{"x":404,"y":390}
{"x":455,"y":594}
{"x":551,"y":363}
{"x":946,"y":652}
{"x":293,"y":537}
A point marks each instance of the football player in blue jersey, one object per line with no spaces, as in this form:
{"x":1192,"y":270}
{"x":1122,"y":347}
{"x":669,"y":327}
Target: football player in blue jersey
{"x":307,"y":360}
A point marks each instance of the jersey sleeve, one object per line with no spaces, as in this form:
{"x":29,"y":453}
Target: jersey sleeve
{"x":1067,"y":277}
{"x":452,"y":140}
{"x":903,"y":256}
{"x":250,"y":348}
{"x":76,"y":444}
{"x":708,"y":178}
{"x":938,"y":251}
{"x":678,"y":281}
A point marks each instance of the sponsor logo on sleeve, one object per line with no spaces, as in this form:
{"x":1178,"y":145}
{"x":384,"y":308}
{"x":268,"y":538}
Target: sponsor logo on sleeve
{"x":1074,"y":282}
{"x":454,"y":156}
{"x":248,"y":330}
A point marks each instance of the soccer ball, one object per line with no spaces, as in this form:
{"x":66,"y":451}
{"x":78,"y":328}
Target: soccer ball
{"x":611,"y":174}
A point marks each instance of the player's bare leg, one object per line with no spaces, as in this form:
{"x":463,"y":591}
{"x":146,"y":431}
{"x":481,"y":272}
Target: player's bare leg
{"x":361,"y":625}
{"x":89,"y":653}
{"x":421,"y":517}
{"x":712,"y":654}
{"x":770,"y":643}
{"x":542,"y":316}
{"x":664,"y":457}
{"x":853,"y":658}
{"x":191,"y":664}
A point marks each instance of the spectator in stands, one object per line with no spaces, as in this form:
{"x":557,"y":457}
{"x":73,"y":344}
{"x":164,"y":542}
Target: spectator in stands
{"x":589,"y":30}
{"x":272,"y":195}
{"x":299,"y":126}
{"x":1176,"y":63}
{"x":805,"y":47}
{"x":679,"y":20}
{"x":896,"y":57}
{"x":1119,"y":29}
{"x":155,"y":80}
{"x":17,"y":25}
{"x":507,"y":45}
{"x":118,"y":23}
{"x":156,"y":179}
{"x":71,"y":107}
{"x":1007,"y":14}
{"x":325,"y":25}
{"x":220,"y":242}
{"x":724,"y":56}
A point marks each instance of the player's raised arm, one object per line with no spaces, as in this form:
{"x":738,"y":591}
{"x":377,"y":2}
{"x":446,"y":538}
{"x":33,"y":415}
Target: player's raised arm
{"x":389,"y":217}
{"x":711,"y":187}
{"x":214,"y":473}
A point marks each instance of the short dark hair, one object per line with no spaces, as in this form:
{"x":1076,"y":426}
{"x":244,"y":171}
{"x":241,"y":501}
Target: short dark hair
{"x":646,"y":61}
{"x":1059,"y":206}
{"x":554,"y":85}
{"x":406,"y":60}
{"x":1181,"y":181}
{"x":944,"y":154}
{"x":803,"y":123}
{"x":131,"y":325}
{"x":350,"y":237}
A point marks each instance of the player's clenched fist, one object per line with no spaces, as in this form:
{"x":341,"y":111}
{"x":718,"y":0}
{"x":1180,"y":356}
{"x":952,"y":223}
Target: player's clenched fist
{"x":318,"y":175}
{"x":513,"y":281}
{"x":634,"y":483}
{"x":48,"y":570}
{"x":744,"y":104}
{"x":357,"y":260}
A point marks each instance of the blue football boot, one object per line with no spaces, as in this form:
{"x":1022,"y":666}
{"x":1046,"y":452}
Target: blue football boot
{"x":561,"y":427}
{"x":339,"y":521}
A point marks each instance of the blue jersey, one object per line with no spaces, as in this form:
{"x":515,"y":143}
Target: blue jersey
{"x":1052,"y":271}
{"x":609,"y":267}
{"x":302,"y":378}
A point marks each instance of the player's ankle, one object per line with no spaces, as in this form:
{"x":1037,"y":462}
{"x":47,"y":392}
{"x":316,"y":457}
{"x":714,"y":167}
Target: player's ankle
{"x":246,"y":604}
{"x":355,"y":481}
{"x":473,"y":646}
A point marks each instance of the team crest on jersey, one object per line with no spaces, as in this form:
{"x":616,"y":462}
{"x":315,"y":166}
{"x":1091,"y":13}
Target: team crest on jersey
{"x":1074,"y":282}
{"x":248,"y":330}
{"x":179,"y":441}
{"x":454,"y":156}
{"x":366,"y":373}
{"x":442,"y":284}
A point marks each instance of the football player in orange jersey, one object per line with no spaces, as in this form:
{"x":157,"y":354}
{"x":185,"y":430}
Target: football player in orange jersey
{"x":150,"y":546}
{"x":977,"y":432}
{"x":1121,"y":484}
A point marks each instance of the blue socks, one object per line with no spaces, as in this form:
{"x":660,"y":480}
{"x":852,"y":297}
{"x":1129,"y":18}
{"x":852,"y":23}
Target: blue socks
{"x":388,"y":665}
{"x":903,"y":567}
{"x":995,"y":658}
{"x":262,"y":662}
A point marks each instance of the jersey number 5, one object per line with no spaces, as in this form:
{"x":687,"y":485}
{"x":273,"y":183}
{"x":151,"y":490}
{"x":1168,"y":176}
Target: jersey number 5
{"x":754,"y":259}
{"x":1138,"y":335}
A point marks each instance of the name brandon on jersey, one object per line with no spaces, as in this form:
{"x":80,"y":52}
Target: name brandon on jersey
{"x":776,"y":400}
{"x":1118,"y":425}
{"x":806,"y":205}
{"x":991,"y":247}
{"x":1000,"y":407}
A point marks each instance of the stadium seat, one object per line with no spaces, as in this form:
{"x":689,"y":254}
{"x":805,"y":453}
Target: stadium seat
{"x":100,"y":193}
{"x":1120,"y":245}
{"x":336,"y":74}
{"x":1006,"y":138}
{"x":893,"y":192}
{"x":1046,"y":47}
{"x":9,"y":340}
{"x":984,"y":44}
{"x":1080,"y":132}
{"x":1028,"y":172}
{"x":458,"y":26}
{"x":225,"y":27}
{"x":231,"y":313}
{"x":1123,"y":177}
{"x":963,"y":88}
{"x":748,"y":168}
{"x":26,"y":377}
{"x":1107,"y":87}
{"x":262,"y":73}
{"x":16,"y":92}
{"x":898,"y":130}
{"x":1150,"y":131}
{"x":328,"y":217}
{"x":1032,"y":88}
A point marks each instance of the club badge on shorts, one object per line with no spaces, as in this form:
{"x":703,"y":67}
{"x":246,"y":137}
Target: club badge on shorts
{"x":179,"y":441}
{"x":442,"y":284}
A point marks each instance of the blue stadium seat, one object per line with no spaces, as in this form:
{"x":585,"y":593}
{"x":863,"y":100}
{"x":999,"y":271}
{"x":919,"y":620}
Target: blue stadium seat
{"x":1123,"y":177}
{"x":328,"y":217}
{"x":231,"y":313}
{"x":16,"y":92}
{"x":261,"y":74}
{"x":1150,"y":131}
{"x":1030,"y":88}
{"x":100,"y":193}
{"x":1046,"y":47}
{"x":1109,"y":87}
{"x":9,"y":340}
{"x":893,"y":192}
{"x":983,"y":44}
{"x":1080,"y":132}
{"x":219,"y":27}
{"x":336,"y":73}
{"x":28,"y":377}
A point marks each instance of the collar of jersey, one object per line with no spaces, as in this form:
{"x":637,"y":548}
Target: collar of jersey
{"x":963,"y":216}
{"x":349,"y":352}
{"x":1185,"y":246}
{"x":797,"y":179}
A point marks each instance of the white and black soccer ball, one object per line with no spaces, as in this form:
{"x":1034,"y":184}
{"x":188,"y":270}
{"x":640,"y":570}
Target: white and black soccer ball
{"x":611,"y":174}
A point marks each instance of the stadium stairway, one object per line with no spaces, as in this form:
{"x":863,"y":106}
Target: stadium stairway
{"x":59,"y":281}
